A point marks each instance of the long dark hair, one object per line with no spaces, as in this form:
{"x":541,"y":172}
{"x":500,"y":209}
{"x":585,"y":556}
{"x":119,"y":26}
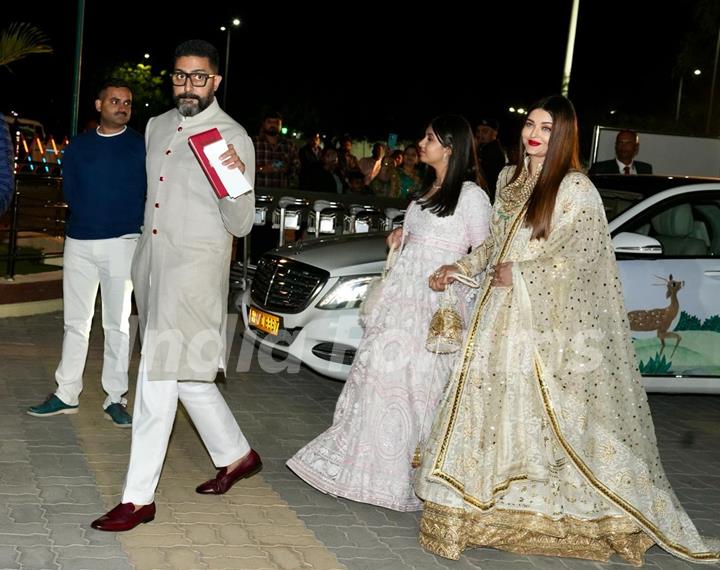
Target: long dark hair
{"x":454,"y":132}
{"x":562,"y":156}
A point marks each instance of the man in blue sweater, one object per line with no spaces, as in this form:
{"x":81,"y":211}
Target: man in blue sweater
{"x":104,"y":184}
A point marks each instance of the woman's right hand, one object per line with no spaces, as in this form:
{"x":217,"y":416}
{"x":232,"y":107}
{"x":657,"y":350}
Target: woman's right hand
{"x":441,"y":278}
{"x":394,"y":238}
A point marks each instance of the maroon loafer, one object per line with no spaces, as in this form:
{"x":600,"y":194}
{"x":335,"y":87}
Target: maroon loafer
{"x":124,"y":517}
{"x":249,"y":465}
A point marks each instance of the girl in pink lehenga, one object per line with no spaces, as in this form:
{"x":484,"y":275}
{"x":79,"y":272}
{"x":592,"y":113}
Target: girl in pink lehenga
{"x":386,"y":406}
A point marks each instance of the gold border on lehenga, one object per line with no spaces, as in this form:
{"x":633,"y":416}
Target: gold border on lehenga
{"x":437,"y":471}
{"x":615,"y":499}
{"x":447,"y":531}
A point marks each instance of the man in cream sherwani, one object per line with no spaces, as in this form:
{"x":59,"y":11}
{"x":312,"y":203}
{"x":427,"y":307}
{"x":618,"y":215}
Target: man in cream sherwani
{"x":181,"y":275}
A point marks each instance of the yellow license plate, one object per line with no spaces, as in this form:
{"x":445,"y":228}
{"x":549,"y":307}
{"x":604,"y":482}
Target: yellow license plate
{"x":264,"y":321}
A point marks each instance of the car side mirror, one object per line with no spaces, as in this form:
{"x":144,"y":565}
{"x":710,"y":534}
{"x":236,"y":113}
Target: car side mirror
{"x":637,"y":244}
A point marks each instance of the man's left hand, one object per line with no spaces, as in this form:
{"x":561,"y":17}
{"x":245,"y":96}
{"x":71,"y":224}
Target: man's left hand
{"x":230,"y":159}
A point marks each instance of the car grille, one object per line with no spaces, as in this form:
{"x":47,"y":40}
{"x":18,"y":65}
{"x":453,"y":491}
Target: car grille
{"x":285,"y":286}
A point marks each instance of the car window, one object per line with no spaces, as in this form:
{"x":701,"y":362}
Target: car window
{"x":617,"y":201}
{"x":685,"y":226}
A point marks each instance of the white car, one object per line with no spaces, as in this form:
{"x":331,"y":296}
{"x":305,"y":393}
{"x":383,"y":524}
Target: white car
{"x":304,"y":296}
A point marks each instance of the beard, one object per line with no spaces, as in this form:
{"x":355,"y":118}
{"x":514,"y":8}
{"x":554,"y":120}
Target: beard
{"x":190,"y":104}
{"x":272,"y":131}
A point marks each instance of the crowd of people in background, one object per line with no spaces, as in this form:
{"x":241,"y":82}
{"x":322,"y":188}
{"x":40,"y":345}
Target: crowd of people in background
{"x":392,"y":168}
{"x":392,"y":171}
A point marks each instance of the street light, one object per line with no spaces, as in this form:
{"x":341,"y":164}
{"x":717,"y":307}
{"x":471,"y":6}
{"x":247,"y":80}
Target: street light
{"x":236,"y":22}
{"x":695,"y":72}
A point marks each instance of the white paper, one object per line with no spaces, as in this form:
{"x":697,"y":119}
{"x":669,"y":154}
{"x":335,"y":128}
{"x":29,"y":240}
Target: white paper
{"x":232,"y":178}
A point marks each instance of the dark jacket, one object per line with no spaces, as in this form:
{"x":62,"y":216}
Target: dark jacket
{"x":611,"y":167}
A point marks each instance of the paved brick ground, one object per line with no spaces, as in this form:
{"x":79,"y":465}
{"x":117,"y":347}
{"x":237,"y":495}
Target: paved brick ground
{"x":57,"y":474}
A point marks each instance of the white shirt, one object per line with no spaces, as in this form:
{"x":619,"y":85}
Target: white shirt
{"x":622,"y":165}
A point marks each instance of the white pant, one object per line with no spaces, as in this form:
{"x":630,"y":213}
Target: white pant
{"x":88,"y":264}
{"x":153,"y":418}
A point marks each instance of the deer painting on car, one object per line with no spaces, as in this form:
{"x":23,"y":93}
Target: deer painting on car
{"x":660,"y":320}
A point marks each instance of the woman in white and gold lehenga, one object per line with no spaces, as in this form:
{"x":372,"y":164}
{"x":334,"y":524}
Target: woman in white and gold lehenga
{"x":544,"y":443}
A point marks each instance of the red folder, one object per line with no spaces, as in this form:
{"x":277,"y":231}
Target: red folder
{"x":225,"y":181}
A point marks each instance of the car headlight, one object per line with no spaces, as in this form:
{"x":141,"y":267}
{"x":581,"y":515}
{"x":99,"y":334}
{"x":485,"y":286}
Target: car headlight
{"x":347,"y":293}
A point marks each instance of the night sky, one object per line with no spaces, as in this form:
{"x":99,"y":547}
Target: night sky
{"x":373,"y":68}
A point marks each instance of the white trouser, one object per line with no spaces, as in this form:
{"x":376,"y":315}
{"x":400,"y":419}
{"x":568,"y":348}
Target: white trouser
{"x":88,"y":264}
{"x":153,"y":418}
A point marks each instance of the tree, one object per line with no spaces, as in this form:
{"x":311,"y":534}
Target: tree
{"x":150,"y":92}
{"x":19,"y":40}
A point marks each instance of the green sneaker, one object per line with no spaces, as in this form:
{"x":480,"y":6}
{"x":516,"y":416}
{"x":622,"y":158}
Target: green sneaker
{"x":52,"y":407}
{"x":117,"y":414}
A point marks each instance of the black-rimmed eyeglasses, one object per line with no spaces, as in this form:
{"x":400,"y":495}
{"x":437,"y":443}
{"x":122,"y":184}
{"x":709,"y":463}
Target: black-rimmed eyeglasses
{"x":180,"y":78}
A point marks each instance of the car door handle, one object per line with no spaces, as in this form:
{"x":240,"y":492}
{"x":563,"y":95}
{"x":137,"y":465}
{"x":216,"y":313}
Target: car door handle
{"x":712,"y":272}
{"x":642,"y":250}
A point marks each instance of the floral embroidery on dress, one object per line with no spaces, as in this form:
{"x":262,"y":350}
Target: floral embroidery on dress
{"x":389,"y":398}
